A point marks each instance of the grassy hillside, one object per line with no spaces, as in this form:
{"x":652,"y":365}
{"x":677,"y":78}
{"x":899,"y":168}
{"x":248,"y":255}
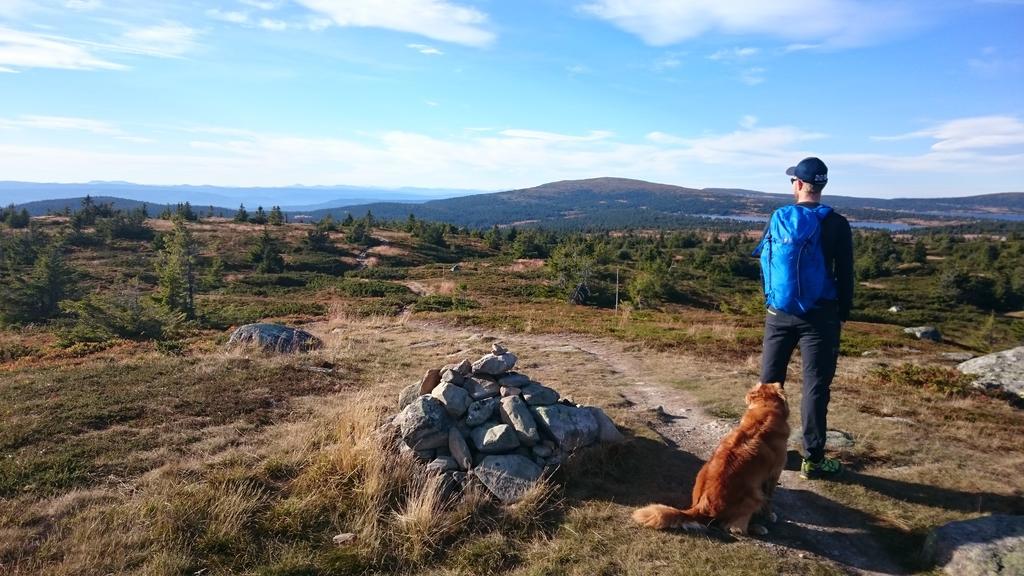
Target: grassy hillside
{"x":133,"y":441}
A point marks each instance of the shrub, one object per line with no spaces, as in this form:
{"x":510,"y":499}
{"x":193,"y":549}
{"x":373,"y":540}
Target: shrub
{"x":357,"y":288}
{"x":441,"y":303}
{"x":223,"y":313}
{"x":105,"y":317}
{"x":940,"y":379}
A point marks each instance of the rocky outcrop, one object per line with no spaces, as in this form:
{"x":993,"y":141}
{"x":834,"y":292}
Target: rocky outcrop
{"x":988,"y":546}
{"x":1002,"y":372}
{"x":480,"y":422}
{"x":274,"y":338}
{"x":925,"y":333}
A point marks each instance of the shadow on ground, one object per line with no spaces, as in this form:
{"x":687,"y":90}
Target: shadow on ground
{"x":646,"y":470}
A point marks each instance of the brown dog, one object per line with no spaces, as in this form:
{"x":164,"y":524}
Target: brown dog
{"x":739,"y":478}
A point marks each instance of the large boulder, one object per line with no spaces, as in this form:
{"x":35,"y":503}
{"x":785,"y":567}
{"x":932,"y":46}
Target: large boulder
{"x":459,"y":449}
{"x":606,"y":430}
{"x":495,"y":364}
{"x":508,"y":477}
{"x":988,"y":546}
{"x":925,"y":333}
{"x":538,"y":395}
{"x":424,"y":423}
{"x":571,"y":427}
{"x":516,"y":414}
{"x":1001,"y":372}
{"x":480,"y":388}
{"x":455,"y":399}
{"x":480,"y":411}
{"x":274,"y":337}
{"x":494,"y":438}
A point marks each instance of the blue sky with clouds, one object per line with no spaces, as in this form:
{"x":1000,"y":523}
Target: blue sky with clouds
{"x":912,"y":98}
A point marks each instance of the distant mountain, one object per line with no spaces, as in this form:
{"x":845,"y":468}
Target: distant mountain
{"x":621,"y":202}
{"x":57,"y":206}
{"x":288,"y":197}
{"x":607,"y":203}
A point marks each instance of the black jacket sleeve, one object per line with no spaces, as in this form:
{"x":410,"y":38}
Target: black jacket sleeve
{"x":844,"y":267}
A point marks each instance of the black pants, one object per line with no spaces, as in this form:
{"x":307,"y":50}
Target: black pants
{"x":817,"y":333}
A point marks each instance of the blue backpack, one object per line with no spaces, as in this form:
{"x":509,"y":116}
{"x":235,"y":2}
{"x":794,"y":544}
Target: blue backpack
{"x":792,"y":262}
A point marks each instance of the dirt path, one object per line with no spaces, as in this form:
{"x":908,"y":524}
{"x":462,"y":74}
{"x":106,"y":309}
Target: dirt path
{"x":809,"y":523}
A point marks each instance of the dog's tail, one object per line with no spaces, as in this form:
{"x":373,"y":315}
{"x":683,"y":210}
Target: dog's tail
{"x":661,"y":517}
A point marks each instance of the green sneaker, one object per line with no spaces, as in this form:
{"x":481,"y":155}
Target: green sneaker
{"x":827,"y":468}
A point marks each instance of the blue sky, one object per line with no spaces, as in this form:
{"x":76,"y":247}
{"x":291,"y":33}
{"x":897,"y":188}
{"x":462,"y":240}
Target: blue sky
{"x":899,"y":98}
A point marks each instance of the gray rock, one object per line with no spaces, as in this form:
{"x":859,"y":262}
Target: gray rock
{"x":495,"y":364}
{"x":925,"y":333}
{"x":450,"y":375}
{"x":274,"y":337}
{"x":838,"y":440}
{"x":465,"y":368}
{"x":480,"y":411}
{"x":430,"y":380}
{"x":834,"y":439}
{"x":957,"y":356}
{"x":424,"y":423}
{"x":542,"y":450}
{"x":514,"y":380}
{"x":987,"y":546}
{"x":459,"y":450}
{"x":607,"y":432}
{"x":516,"y":414}
{"x":442,"y":464}
{"x":494,"y":438}
{"x":570,"y":426}
{"x":1000,"y":372}
{"x":480,"y":388}
{"x":498,"y":349}
{"x":408,"y":394}
{"x":896,"y":309}
{"x":537,"y":395}
{"x":508,"y":477}
{"x":456,"y":400}
{"x":507,"y":391}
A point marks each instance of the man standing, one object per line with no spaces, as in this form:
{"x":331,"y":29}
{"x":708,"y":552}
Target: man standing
{"x":807,"y":267}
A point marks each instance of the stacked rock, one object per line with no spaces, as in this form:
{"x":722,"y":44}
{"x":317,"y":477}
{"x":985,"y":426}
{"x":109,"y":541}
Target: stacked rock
{"x":483,"y":421}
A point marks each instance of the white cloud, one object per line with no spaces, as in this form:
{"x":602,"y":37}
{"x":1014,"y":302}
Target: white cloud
{"x":7,"y":70}
{"x":167,"y":40}
{"x":974,"y":133}
{"x":733,"y":53}
{"x":61,"y":123}
{"x":83,"y":5}
{"x":554,"y":136}
{"x":273,"y":25}
{"x":752,"y":76}
{"x":752,"y":156}
{"x":232,"y":16}
{"x":20,"y":50}
{"x":837,"y":22}
{"x":577,"y":69}
{"x":425,"y":49}
{"x":436,"y":19}
{"x":261,"y":4}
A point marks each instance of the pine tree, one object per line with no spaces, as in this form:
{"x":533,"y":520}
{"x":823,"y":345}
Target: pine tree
{"x":260,"y":217}
{"x":38,"y":296}
{"x":241,"y":215}
{"x":176,"y":270}
{"x":266,"y":254}
{"x":276,"y":218}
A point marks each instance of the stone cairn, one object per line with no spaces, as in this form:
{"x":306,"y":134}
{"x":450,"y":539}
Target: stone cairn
{"x":482,"y":421}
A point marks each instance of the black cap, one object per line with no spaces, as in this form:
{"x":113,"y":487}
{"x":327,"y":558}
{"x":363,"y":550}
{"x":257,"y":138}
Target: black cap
{"x":810,"y":170}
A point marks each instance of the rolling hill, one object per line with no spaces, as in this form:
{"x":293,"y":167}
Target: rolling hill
{"x":606,"y":203}
{"x":619,"y":202}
